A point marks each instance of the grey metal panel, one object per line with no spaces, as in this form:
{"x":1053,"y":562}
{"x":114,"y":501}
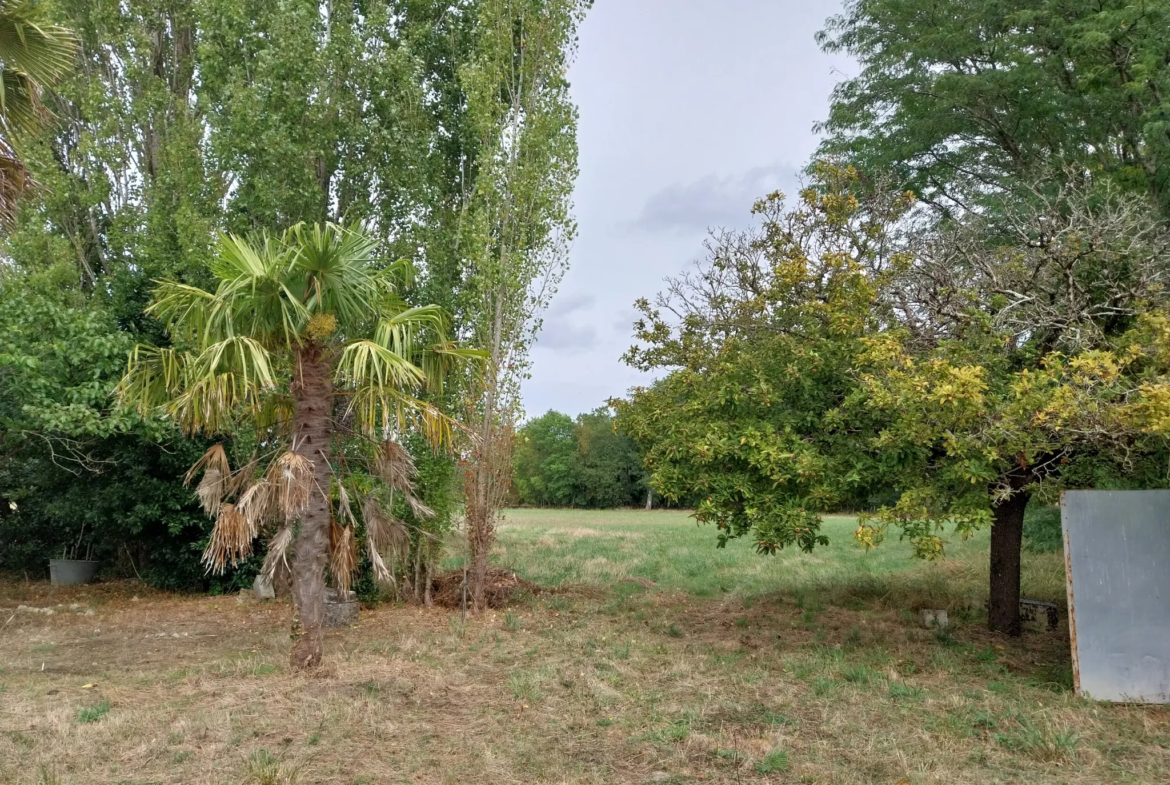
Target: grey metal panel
{"x":1117,"y":550}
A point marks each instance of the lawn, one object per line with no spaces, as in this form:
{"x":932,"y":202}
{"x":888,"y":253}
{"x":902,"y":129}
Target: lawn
{"x":651,"y":657}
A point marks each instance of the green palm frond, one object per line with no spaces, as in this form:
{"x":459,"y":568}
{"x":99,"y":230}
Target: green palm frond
{"x":239,"y":355}
{"x":184,"y":310}
{"x":153,"y":377}
{"x":439,"y":360}
{"x":31,"y":45}
{"x":386,"y":411}
{"x":367,"y":365}
{"x":315,"y":289}
{"x":212,"y":404}
{"x":335,"y":270}
{"x":34,"y":54}
{"x":401,"y":331}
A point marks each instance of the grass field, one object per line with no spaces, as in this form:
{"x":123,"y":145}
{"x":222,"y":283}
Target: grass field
{"x":652,"y":657}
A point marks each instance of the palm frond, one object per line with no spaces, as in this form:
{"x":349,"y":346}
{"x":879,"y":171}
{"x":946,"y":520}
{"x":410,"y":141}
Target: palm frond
{"x":334,"y":268}
{"x":216,"y":475}
{"x":291,"y":477}
{"x":276,"y":560}
{"x":343,"y":506}
{"x":385,"y":533}
{"x":343,"y":557}
{"x":257,"y":293}
{"x":210,"y":491}
{"x":367,"y":365}
{"x":183,"y":309}
{"x":243,"y":477}
{"x":395,"y":467}
{"x":226,"y":375}
{"x":400,"y":331}
{"x":215,"y":458}
{"x":257,"y":503}
{"x":32,"y":45}
{"x":231,"y":540}
{"x":34,"y":54}
{"x":439,"y":359}
{"x":153,"y":377}
{"x":378,"y":566}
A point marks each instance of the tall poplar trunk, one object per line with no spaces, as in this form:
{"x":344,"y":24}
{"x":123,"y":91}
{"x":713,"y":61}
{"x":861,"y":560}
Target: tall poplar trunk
{"x":313,"y":402}
{"x":491,"y":461}
{"x":1007,"y":532}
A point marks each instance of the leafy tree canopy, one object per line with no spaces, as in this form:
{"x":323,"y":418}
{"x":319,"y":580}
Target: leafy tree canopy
{"x":957,"y":97}
{"x":846,"y":349}
{"x":760,"y":343}
{"x":182,"y":119}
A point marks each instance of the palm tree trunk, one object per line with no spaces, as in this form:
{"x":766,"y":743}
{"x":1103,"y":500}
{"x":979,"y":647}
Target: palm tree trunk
{"x":313,"y":401}
{"x":1007,"y":530}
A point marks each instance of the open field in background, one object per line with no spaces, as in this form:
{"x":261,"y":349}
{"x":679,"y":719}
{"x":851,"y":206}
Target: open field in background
{"x":730,"y":668}
{"x":555,"y":547}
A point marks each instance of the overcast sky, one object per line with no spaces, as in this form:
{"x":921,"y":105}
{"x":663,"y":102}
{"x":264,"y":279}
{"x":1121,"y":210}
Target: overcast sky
{"x":690,"y":111}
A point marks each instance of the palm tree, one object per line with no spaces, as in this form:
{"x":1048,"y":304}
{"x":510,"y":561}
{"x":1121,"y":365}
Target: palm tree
{"x":307,"y":340}
{"x":33,"y":55}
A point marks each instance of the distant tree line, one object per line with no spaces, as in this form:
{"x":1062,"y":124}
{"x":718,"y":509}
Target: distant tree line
{"x":560,"y":462}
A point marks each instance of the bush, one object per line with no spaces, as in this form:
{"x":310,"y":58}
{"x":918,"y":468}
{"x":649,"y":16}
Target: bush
{"x":1042,"y":532}
{"x":138,"y":518}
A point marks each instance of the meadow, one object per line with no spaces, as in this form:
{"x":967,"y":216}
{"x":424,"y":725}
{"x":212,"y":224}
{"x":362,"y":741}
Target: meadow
{"x":647,"y":655}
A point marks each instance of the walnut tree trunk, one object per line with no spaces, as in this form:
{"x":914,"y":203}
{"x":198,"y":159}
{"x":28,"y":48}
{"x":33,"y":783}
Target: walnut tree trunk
{"x":1007,"y":532}
{"x":313,"y":402}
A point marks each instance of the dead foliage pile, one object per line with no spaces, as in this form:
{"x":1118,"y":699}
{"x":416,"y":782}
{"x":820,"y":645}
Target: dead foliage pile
{"x":447,"y":589}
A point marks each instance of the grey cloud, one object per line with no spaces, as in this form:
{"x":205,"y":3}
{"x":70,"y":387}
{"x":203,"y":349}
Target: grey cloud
{"x":563,"y":306}
{"x":625,"y":321}
{"x":561,"y":333}
{"x":567,"y":337}
{"x":714,"y":201}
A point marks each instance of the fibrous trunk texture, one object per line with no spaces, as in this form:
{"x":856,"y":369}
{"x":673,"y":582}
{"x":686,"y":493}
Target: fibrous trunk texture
{"x":1007,"y":531}
{"x":313,"y":401}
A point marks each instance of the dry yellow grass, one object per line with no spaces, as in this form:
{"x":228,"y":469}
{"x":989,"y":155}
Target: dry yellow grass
{"x":622,"y":684}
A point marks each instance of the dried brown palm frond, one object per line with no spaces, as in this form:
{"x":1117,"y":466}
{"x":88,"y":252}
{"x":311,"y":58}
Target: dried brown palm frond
{"x":291,"y":476}
{"x":378,"y":565}
{"x":344,"y":506}
{"x":276,"y":560}
{"x":216,"y":475}
{"x":257,"y":503}
{"x":384,"y":533}
{"x":214,"y":458}
{"x":243,"y":477}
{"x":231,"y":540}
{"x":395,"y":467}
{"x":419,"y":509}
{"x":211,"y":490}
{"x":343,"y":557}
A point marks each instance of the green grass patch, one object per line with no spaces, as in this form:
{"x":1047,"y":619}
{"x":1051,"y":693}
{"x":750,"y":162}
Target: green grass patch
{"x":93,"y":713}
{"x":774,"y":761}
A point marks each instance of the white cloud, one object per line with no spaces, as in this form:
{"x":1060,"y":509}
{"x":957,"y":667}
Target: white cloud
{"x":714,"y":201}
{"x":561,"y":332}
